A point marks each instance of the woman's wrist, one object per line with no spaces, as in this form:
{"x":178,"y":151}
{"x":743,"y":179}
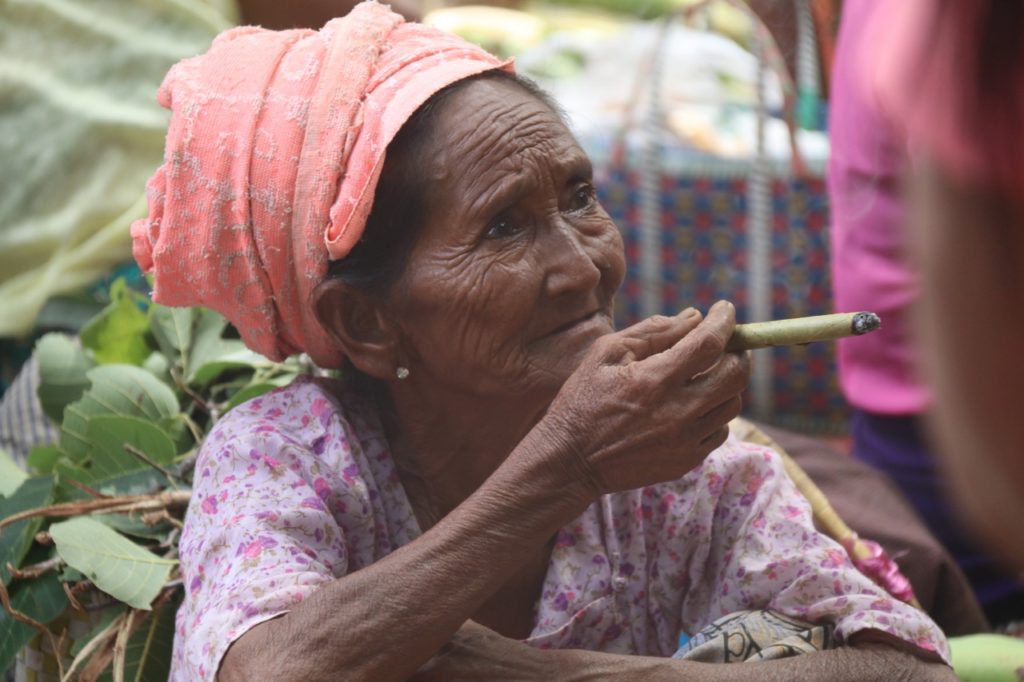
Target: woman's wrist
{"x":554,"y":458}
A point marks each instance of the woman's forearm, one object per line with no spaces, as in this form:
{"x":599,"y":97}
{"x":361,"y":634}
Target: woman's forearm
{"x":477,"y":653}
{"x":384,"y":621}
{"x":845,"y":664}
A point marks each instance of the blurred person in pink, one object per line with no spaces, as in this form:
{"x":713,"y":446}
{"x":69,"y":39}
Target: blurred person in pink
{"x":873,"y":269}
{"x":950,"y":74}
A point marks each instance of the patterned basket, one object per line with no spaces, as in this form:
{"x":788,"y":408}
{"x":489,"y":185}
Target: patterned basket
{"x":700,"y":228}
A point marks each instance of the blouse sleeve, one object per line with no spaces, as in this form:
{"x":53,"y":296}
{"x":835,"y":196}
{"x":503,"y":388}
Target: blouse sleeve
{"x":258,"y":539}
{"x":766,"y":553}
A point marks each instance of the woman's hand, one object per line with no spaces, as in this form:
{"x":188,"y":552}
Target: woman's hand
{"x":476,"y":652}
{"x":650,"y":402}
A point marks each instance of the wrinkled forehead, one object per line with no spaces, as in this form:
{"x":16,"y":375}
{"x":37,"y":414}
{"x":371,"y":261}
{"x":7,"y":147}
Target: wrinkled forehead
{"x":494,"y":129}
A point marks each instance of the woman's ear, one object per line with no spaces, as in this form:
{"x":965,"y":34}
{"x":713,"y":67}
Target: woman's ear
{"x":360,"y":326}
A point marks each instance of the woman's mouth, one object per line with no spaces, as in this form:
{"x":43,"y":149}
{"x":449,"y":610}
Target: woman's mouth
{"x":577,"y":324}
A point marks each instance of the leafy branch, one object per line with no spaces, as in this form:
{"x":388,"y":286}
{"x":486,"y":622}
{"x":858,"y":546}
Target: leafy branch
{"x":94,"y":524}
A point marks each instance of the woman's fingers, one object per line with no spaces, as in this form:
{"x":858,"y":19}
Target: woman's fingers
{"x":657,"y":334}
{"x":718,"y":416}
{"x":700,"y":349}
{"x":729,"y":376}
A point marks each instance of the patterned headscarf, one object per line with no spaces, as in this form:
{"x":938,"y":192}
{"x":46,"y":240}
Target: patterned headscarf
{"x":275,"y":146}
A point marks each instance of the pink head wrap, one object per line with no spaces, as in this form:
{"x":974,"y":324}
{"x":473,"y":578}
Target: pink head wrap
{"x":274,"y":149}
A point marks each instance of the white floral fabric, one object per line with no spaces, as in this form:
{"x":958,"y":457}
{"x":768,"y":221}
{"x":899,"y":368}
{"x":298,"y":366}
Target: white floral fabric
{"x":297,"y":488}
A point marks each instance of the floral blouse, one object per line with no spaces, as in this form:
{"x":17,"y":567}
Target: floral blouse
{"x":297,"y":488}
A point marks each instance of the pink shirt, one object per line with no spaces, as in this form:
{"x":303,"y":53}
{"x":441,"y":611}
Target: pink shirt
{"x":870,"y":264}
{"x":296,"y":489}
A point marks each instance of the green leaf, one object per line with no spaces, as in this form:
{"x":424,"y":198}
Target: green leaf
{"x":159,"y":366}
{"x":121,"y":390}
{"x":249,"y":392}
{"x":136,"y":483}
{"x":118,"y":333}
{"x":206,"y":340}
{"x":43,"y":458}
{"x":134,"y":526}
{"x":109,"y":434}
{"x":70,"y":575}
{"x":11,"y":475}
{"x":16,"y":539}
{"x":177,"y":428}
{"x":226,"y":355}
{"x":42,"y":599}
{"x":172,"y":329}
{"x":115,"y":564}
{"x":62,"y":373}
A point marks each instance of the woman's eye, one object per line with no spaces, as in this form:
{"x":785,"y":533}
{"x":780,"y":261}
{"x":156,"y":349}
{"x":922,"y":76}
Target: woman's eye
{"x":501,"y":229}
{"x":582,"y":197}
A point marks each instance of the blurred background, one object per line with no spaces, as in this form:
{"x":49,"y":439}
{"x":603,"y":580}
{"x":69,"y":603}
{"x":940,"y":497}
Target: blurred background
{"x":705,"y":120}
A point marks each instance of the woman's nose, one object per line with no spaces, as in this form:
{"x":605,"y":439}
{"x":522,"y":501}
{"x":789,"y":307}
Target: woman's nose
{"x":570,"y":267}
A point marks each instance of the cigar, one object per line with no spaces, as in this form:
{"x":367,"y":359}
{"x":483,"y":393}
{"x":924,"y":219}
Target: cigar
{"x":801,"y":330}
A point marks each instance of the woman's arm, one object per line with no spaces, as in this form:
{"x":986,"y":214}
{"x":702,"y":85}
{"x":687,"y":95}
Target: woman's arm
{"x":476,"y":653}
{"x":638,"y":391}
{"x":384,"y":621}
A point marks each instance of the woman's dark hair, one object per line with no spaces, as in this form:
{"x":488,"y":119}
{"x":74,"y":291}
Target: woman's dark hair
{"x":400,"y":201}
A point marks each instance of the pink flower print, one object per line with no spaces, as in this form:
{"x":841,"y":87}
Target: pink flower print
{"x":562,"y":600}
{"x":210,"y":504}
{"x":256,"y":547}
{"x":835,"y":558}
{"x":350,"y":473}
{"x":565,"y":539}
{"x":882,"y":604}
{"x":253,"y":549}
{"x":312,"y":503}
{"x":323,"y":490}
{"x":791,"y":512}
{"x":321,"y":409}
{"x":319,"y":445}
{"x":753,"y":485}
{"x":611,"y":632}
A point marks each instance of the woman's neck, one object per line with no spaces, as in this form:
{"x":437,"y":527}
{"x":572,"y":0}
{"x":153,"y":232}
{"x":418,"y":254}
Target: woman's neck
{"x":445,"y":446}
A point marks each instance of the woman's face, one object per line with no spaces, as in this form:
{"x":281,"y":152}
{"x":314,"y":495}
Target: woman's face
{"x":513,"y":277}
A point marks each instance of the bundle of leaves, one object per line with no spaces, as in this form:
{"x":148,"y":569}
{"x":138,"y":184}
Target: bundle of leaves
{"x":93,"y":525}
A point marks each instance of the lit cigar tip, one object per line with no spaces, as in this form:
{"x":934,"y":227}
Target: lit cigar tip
{"x":865,"y":322}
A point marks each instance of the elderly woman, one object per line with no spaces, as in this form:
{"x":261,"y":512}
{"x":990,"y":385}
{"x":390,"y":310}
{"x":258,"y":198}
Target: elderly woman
{"x":502,"y":486}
